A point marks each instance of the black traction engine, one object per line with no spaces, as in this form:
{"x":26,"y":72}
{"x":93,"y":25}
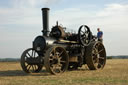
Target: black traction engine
{"x":58,"y":50}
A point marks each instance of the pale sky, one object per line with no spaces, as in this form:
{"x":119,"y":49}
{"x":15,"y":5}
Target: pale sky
{"x":21,"y":22}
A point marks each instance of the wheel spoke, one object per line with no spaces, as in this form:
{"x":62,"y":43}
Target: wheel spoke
{"x":32,"y":53}
{"x":29,"y":54}
{"x":86,"y":41}
{"x":54,"y":51}
{"x":93,"y":51}
{"x":50,"y":59}
{"x":32,"y":68}
{"x":82,"y":32}
{"x":62,"y":61}
{"x":26,"y":57}
{"x":58,"y":68}
{"x":54,"y":67}
{"x":85,"y":29}
{"x":101,"y":58}
{"x":29,"y":67}
{"x":84,"y":35}
{"x":83,"y":38}
{"x":36,"y":66}
{"x":98,"y":44}
{"x":101,"y":50}
{"x":60,"y":53}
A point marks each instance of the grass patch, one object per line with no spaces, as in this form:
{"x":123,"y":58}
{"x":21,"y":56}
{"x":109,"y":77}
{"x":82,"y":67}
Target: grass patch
{"x":98,"y":79}
{"x":114,"y":73}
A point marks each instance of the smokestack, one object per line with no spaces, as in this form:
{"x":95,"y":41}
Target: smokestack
{"x":45,"y":19}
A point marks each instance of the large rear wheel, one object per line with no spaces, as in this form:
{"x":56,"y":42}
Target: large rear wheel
{"x":95,"y":56}
{"x":56,"y":60}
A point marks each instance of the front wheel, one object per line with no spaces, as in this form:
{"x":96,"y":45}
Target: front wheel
{"x":31,"y":62}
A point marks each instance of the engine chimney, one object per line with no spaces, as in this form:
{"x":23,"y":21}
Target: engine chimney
{"x":45,"y":20}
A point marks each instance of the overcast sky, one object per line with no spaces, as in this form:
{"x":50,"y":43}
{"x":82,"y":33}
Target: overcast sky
{"x":21,"y":22}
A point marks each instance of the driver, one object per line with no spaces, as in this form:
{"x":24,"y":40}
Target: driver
{"x":99,"y":35}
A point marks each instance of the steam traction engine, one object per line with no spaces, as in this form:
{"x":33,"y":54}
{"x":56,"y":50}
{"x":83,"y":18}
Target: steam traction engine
{"x":58,"y":50}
